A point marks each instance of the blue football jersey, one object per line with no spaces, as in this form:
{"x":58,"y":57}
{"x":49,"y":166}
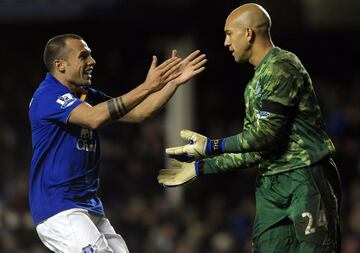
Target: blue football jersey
{"x":64,"y":169}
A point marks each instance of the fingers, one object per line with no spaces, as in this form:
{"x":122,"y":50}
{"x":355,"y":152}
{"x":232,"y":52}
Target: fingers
{"x":168,"y":172}
{"x":191,"y":56}
{"x":165,"y":177}
{"x":187,"y":134}
{"x":166,"y":63}
{"x":201,"y":58}
{"x":171,"y":71}
{"x":172,"y":77}
{"x":175,"y":164}
{"x":174,"y":53}
{"x":199,"y":65}
{"x":174,"y":150}
{"x":168,"y":177}
{"x":198,"y":71}
{"x":154,"y":62}
{"x":171,"y":66}
{"x":176,"y":177}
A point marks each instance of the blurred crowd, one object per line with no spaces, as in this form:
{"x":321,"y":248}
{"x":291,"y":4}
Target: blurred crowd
{"x":213,"y":214}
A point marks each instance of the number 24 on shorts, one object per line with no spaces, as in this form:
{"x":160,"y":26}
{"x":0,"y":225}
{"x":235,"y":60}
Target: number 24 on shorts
{"x":310,"y":228}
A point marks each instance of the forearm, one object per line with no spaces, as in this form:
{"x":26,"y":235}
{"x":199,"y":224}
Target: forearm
{"x":151,"y":105}
{"x":110,"y":110}
{"x":226,"y":162}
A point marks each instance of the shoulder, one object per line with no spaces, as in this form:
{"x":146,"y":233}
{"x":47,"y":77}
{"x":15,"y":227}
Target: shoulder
{"x":48,"y":94}
{"x":285,"y":62}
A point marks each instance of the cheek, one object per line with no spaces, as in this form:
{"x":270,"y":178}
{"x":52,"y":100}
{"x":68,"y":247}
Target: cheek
{"x":237,"y":43}
{"x":241,"y":46}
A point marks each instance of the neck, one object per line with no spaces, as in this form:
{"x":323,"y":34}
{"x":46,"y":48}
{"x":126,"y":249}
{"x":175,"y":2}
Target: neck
{"x":259,"y":51}
{"x":64,"y":82}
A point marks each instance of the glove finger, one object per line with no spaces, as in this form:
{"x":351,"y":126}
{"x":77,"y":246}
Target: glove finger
{"x":172,"y":181}
{"x":187,"y":134}
{"x":168,"y":172}
{"x":166,"y":179}
{"x":174,"y":150}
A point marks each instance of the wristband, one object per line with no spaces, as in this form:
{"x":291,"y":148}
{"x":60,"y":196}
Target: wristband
{"x":199,"y":168}
{"x":215,"y":147}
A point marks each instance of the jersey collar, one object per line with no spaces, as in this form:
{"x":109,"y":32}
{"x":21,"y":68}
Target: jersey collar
{"x":267,"y":57}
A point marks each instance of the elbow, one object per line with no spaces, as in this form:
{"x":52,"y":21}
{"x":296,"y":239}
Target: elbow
{"x":94,"y":126}
{"x":273,"y":136}
{"x":143,"y":118}
{"x":139,"y":119}
{"x":95,"y":123}
{"x":273,"y":142}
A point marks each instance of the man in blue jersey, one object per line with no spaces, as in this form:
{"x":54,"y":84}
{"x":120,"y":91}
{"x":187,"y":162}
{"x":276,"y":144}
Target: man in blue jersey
{"x":64,"y":175}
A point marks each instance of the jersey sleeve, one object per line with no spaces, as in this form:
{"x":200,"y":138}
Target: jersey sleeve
{"x":226,"y":162}
{"x":279,"y":98}
{"x":56,"y":107}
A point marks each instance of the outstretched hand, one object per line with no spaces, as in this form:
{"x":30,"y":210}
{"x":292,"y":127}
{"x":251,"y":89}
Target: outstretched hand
{"x":179,"y":173}
{"x":159,"y":75}
{"x":194,"y":150}
{"x":191,"y":66}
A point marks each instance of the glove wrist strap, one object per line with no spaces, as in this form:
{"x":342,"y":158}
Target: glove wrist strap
{"x":215,"y":147}
{"x":199,"y":168}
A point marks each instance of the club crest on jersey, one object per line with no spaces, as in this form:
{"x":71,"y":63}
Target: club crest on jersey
{"x":88,"y":249}
{"x":66,"y":100}
{"x":262,"y":114}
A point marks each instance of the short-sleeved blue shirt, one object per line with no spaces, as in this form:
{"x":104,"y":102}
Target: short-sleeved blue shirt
{"x":64,"y":170}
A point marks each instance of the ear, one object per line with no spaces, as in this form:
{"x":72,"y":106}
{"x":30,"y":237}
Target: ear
{"x":250,"y":34}
{"x":59,"y":65}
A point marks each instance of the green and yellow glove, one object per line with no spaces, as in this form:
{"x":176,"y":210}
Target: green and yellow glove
{"x":199,"y":147}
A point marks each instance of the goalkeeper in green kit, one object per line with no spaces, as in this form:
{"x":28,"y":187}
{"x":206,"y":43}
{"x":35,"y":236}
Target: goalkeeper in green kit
{"x":297,"y":187}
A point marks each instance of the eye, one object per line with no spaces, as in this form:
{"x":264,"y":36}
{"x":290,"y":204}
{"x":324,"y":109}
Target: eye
{"x":84,"y":55}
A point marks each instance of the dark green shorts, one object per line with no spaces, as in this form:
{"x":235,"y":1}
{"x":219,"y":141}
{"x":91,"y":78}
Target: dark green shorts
{"x":298,"y":211}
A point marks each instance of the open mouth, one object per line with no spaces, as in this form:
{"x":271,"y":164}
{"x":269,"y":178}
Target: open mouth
{"x":87,"y":73}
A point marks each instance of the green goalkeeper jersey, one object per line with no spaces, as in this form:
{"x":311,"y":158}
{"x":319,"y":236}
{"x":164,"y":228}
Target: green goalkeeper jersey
{"x":283,"y":128}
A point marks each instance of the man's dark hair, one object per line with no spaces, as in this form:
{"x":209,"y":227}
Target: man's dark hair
{"x":54,"y":49}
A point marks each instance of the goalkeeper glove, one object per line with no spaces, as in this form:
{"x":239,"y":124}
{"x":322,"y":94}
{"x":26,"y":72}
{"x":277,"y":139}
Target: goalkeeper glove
{"x":199,"y":147}
{"x":179,"y":173}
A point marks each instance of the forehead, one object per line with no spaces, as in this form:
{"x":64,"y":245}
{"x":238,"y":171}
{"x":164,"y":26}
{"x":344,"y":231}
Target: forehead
{"x":77,"y":45}
{"x":231,"y":23}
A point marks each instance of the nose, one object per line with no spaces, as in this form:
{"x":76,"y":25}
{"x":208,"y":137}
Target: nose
{"x":226,"y":42}
{"x":92,"y":61}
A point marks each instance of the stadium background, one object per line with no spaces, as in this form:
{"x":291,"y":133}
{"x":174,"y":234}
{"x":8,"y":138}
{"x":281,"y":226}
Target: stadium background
{"x":213,"y":214}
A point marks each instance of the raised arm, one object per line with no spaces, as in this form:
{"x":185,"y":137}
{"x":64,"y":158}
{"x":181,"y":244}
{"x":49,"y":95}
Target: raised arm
{"x":191,"y":66}
{"x":113,"y":109}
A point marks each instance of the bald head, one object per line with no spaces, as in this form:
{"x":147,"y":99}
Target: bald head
{"x":247,"y":30}
{"x":251,"y":16}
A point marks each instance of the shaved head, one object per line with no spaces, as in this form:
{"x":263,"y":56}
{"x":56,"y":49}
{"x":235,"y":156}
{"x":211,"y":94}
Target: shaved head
{"x":253,"y":16}
{"x":247,"y":30}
